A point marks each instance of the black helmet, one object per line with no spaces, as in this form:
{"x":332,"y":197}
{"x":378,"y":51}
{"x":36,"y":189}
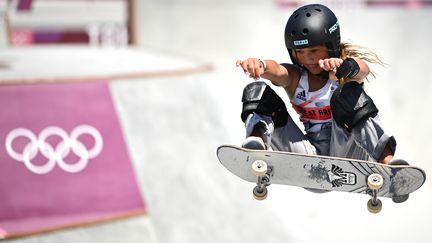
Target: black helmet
{"x":312,"y":25}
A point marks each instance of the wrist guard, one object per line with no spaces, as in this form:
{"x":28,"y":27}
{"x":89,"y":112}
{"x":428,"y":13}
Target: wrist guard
{"x":348,"y":69}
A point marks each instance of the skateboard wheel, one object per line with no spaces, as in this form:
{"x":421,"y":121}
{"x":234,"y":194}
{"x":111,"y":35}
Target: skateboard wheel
{"x":260,"y":194}
{"x":375,"y":181}
{"x":259,"y":167}
{"x":374,"y":207}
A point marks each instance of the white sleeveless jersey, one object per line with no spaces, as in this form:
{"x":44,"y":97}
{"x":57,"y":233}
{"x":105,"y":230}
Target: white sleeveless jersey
{"x":313,"y":107}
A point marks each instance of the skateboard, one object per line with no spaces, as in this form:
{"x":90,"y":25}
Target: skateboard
{"x":322,"y":174}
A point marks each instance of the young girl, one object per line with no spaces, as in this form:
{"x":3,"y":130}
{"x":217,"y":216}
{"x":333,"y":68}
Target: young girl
{"x":325,"y":86}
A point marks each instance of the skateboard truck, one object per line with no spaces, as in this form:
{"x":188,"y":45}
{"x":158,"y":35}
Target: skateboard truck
{"x":374,"y":182}
{"x":263,"y":173}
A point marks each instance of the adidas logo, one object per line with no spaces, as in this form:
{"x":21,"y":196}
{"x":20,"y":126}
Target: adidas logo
{"x":301,"y":95}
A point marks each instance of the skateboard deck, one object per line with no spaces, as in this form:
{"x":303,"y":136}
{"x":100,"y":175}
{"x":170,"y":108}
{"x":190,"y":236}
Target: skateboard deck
{"x":322,"y":172}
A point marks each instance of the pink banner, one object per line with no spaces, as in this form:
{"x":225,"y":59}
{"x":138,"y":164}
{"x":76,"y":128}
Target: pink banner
{"x":63,"y":158}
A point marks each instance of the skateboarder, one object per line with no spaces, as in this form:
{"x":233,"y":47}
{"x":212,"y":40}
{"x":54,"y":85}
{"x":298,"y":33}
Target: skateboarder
{"x":325,"y":86}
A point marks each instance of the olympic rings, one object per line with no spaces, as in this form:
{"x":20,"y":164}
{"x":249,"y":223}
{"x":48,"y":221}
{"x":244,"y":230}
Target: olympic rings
{"x":59,"y":153}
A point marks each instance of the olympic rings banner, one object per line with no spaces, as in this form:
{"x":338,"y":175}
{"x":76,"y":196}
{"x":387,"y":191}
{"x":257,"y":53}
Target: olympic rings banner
{"x":63,"y":158}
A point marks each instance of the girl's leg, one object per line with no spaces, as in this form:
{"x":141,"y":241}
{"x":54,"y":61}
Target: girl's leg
{"x":367,"y":141}
{"x":285,"y":138}
{"x":386,"y":156}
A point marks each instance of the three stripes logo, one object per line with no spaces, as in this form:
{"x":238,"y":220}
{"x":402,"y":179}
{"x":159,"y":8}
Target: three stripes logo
{"x":301,"y":95}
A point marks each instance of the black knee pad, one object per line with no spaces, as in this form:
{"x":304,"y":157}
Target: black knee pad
{"x":260,"y":98}
{"x":351,"y":105}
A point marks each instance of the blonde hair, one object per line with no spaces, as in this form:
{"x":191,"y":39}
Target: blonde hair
{"x":348,"y":49}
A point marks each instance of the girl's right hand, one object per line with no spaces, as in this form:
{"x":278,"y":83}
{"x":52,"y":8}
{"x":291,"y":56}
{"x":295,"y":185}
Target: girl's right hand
{"x":253,"y":67}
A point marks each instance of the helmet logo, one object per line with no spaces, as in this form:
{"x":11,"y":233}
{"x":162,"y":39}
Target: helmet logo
{"x":301,"y":42}
{"x":334,"y":27}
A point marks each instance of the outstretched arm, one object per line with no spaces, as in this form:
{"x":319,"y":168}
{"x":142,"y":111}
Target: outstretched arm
{"x":351,"y":69}
{"x":269,"y":69}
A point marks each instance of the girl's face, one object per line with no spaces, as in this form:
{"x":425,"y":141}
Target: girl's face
{"x":310,"y":56}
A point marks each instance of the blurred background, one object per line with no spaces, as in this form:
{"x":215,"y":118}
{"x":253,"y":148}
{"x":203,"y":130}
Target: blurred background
{"x":177,"y":92}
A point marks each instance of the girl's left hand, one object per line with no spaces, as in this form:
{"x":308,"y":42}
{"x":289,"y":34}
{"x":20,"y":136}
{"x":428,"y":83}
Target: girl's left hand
{"x":330,"y":65}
